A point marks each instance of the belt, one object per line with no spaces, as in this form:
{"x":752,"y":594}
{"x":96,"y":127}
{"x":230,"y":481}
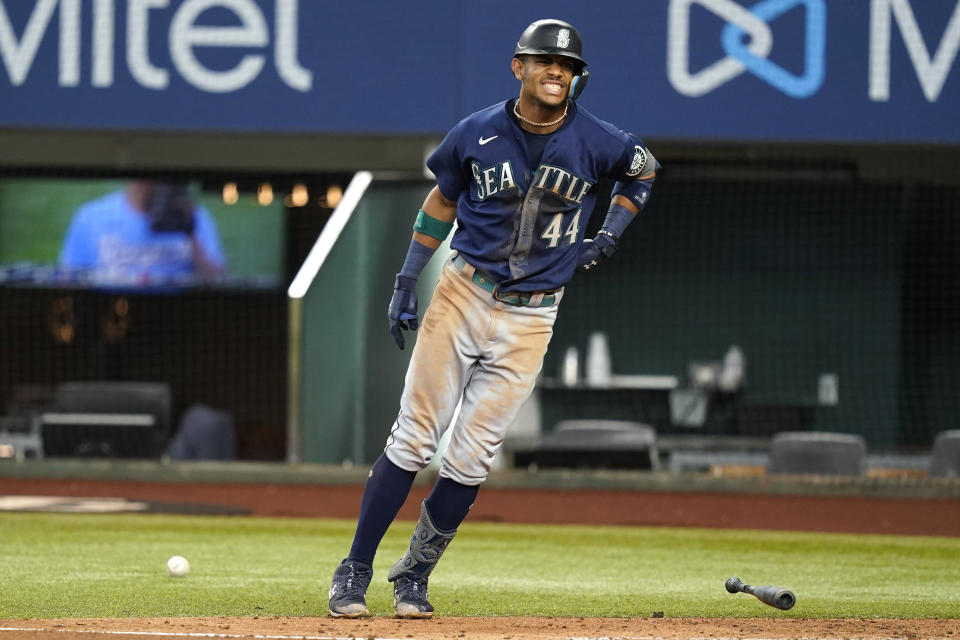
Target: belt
{"x":517,"y":298}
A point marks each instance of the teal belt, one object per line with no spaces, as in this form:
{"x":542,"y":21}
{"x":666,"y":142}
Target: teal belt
{"x":517,"y":298}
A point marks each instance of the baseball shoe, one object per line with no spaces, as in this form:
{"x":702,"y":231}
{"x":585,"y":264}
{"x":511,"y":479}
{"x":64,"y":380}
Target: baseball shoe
{"x":348,"y":588}
{"x":410,"y":598}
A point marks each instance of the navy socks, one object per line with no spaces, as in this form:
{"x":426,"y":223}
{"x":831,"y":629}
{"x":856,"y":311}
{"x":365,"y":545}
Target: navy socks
{"x":387,"y":489}
{"x":449,"y":503}
{"x":385,"y":492}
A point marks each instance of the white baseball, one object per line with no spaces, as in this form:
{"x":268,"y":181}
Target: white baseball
{"x":177,"y":566}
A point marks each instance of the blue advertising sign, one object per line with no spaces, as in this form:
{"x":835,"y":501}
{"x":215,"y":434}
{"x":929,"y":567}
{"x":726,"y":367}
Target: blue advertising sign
{"x":805,"y":70}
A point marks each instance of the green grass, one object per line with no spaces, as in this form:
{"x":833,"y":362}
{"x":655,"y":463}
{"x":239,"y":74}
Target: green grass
{"x":67,"y":565}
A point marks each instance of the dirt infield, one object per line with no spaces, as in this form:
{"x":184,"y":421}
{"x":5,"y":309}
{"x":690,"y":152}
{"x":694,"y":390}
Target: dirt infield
{"x":482,"y":629}
{"x":799,"y":513}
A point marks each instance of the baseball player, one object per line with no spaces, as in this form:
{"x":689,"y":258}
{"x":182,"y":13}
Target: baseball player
{"x":520,"y":180}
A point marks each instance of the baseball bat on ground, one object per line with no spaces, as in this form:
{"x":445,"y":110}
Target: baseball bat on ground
{"x":773,"y":596}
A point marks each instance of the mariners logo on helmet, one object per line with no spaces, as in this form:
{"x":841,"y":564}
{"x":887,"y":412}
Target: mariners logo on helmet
{"x":551,"y":37}
{"x":639,"y":160}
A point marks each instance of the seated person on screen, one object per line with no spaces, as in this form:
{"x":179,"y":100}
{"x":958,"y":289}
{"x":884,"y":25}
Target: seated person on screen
{"x":150,"y":233}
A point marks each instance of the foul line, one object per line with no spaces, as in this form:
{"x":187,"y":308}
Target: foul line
{"x":258,"y":636}
{"x":186,"y":634}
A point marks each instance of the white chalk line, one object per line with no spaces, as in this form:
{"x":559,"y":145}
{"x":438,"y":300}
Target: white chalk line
{"x":185,"y":634}
{"x":258,"y":636}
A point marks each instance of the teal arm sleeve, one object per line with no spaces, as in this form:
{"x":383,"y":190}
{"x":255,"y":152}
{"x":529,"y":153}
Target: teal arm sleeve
{"x":430,"y":226}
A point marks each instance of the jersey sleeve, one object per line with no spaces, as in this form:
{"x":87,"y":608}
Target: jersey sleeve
{"x":633,"y":158}
{"x":446,"y":163}
{"x":634,"y":162}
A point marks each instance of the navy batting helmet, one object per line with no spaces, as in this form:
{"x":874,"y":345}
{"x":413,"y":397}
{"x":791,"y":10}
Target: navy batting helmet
{"x":551,"y":37}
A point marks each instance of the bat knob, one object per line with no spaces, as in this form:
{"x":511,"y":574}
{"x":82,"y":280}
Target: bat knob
{"x":733,"y":585}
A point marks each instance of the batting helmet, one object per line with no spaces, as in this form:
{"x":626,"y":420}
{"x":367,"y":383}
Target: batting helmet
{"x":551,"y":37}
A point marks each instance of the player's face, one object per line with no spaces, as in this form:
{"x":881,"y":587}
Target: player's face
{"x":546,"y":78}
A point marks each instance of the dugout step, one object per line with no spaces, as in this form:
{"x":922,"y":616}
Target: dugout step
{"x":703,"y":453}
{"x":594,"y":444}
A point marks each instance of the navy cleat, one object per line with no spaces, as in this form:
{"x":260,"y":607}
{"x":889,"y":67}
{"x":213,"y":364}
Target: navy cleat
{"x":348,"y":588}
{"x":410,"y":598}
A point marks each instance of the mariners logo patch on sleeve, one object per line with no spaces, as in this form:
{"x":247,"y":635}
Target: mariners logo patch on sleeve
{"x":638,"y":162}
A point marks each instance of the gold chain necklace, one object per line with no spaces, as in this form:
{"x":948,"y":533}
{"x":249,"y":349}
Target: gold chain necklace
{"x":541,"y":124}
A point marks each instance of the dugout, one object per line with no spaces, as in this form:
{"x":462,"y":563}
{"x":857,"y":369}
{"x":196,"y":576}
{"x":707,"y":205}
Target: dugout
{"x":851,"y":276}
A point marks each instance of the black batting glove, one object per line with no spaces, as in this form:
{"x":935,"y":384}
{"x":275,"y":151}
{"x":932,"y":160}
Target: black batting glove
{"x":403,"y":308}
{"x":593,"y":252}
